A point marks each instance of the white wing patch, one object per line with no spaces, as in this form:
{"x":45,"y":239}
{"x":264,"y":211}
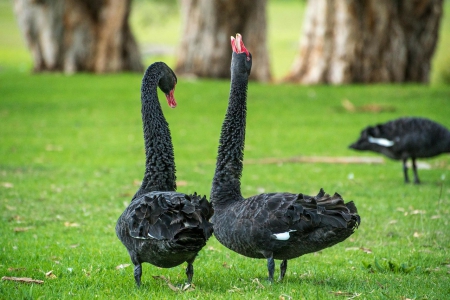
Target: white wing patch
{"x":381,"y":141}
{"x":284,"y":236}
{"x":151,"y":236}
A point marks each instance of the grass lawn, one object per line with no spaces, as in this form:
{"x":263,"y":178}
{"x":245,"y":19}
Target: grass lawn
{"x":71,"y":157}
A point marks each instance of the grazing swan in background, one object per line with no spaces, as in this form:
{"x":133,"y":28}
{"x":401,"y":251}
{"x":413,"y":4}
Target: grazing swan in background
{"x":405,"y":138}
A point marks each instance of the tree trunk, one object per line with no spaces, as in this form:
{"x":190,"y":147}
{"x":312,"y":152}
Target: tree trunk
{"x":79,"y":35}
{"x":352,"y":41}
{"x":205,"y":49}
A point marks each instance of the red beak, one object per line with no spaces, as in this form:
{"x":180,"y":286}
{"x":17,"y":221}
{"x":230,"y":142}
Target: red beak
{"x":171,"y":99}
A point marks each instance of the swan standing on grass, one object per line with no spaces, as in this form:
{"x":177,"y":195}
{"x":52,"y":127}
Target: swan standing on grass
{"x":271,"y":225}
{"x":161,"y":226}
{"x":405,"y":138}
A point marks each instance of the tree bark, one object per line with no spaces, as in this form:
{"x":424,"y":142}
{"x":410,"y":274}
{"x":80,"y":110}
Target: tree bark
{"x":352,"y":41}
{"x":79,"y":35}
{"x":205,"y":49}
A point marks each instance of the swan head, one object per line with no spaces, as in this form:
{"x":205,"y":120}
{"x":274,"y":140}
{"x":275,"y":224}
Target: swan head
{"x":241,"y":62}
{"x":167,"y":84}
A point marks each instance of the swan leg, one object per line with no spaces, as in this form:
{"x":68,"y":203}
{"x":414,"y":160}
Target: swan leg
{"x":283,"y":268}
{"x":416,"y":177}
{"x":271,"y":267}
{"x":190,"y":272}
{"x":405,"y":171}
{"x":138,"y":274}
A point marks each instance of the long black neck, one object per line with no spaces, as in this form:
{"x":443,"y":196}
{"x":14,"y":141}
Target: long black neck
{"x":226,"y":187}
{"x":159,"y":164}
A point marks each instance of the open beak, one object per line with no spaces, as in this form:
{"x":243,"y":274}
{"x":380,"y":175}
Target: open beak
{"x":238,"y":45}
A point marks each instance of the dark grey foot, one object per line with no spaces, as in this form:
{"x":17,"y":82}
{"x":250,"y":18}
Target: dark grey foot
{"x":283,"y":268}
{"x":189,"y":272}
{"x":416,"y":177}
{"x":138,"y":274}
{"x":270,"y":268}
{"x":405,"y":171}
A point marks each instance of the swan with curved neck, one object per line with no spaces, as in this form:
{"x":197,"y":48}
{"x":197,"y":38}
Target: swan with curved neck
{"x":161,"y":226}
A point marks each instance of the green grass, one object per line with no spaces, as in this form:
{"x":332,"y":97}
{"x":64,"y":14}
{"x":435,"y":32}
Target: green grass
{"x":71,"y":157}
{"x":72,"y":153}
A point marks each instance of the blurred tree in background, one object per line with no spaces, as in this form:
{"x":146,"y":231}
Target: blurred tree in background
{"x":343,"y":41}
{"x":348,"y":41}
{"x":79,"y":35}
{"x":205,"y":49}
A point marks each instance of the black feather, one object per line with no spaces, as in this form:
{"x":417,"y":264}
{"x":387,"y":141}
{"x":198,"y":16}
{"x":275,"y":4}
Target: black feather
{"x":408,"y":138}
{"x":276,"y":225}
{"x":161,"y":226}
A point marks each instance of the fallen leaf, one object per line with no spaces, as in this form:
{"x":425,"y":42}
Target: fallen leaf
{"x":339,"y":293}
{"x":352,"y":248}
{"x":23,"y":279}
{"x":172,"y":287}
{"x":234,"y":290}
{"x":10,"y":207}
{"x":256,"y":280}
{"x":305,"y":275}
{"x":182,"y":183}
{"x":122,"y":266}
{"x":367,"y":250}
{"x":50,"y":275}
{"x":188,"y":287}
{"x":346,"y":294}
{"x":22,"y":229}
{"x":225,"y":265}
{"x":432,"y":269}
{"x":69,"y":224}
{"x":16,"y":269}
{"x":169,"y":284}
{"x":425,"y":251}
{"x":16,"y":217}
{"x":348,"y":105}
{"x":371,"y":107}
{"x":53,"y":148}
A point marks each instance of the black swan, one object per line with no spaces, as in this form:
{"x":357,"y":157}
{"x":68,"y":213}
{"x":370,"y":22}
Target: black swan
{"x":161,"y":226}
{"x":272,"y":225}
{"x":404,"y":138}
